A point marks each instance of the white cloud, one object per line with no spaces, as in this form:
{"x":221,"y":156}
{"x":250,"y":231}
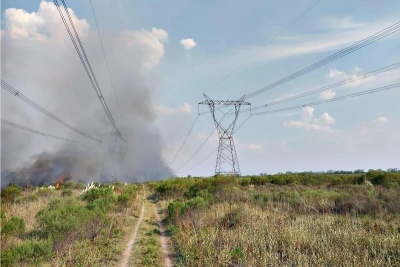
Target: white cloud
{"x":309,"y":123}
{"x":324,"y":40}
{"x":34,"y":26}
{"x":341,"y":23}
{"x":381,"y":120}
{"x":188,"y":43}
{"x":357,"y":70}
{"x":335,"y":73}
{"x":327,"y":94}
{"x":160,"y":34}
{"x":325,"y":119}
{"x":255,"y":147}
{"x":185,"y":108}
{"x":354,"y":73}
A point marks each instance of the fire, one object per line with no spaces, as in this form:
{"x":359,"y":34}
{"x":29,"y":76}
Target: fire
{"x":61,"y":181}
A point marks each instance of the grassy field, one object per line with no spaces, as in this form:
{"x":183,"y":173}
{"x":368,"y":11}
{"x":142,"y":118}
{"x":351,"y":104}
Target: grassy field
{"x":226,"y":221}
{"x":66,"y":227}
{"x":270,"y":220}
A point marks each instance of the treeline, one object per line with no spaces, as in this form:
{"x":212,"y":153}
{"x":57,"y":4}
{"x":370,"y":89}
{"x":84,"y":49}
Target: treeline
{"x":375,"y":177}
{"x":338,"y":171}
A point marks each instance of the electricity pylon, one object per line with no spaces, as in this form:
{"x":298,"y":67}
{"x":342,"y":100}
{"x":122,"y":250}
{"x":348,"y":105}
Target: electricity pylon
{"x":108,"y":173}
{"x":227,"y":162}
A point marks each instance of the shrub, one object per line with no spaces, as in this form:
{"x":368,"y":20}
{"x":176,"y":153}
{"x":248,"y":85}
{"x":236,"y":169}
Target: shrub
{"x":102,"y":205}
{"x":9,"y":193}
{"x":68,"y":221}
{"x":14,"y":226}
{"x":96,"y":193}
{"x":232,"y":218}
{"x":30,"y":251}
{"x":3,"y":217}
{"x":66,"y":192}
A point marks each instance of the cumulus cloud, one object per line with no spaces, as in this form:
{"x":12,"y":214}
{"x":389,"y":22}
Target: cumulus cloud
{"x":185,"y":108}
{"x":381,"y":120}
{"x":188,"y":43}
{"x":39,"y":59}
{"x":255,"y":147}
{"x":335,"y":73}
{"x":309,"y":123}
{"x":353,"y":73}
{"x":327,"y":94}
{"x":35,"y":26}
{"x":160,"y":34}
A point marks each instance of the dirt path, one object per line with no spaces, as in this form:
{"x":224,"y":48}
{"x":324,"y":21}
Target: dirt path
{"x":164,"y":242}
{"x":127,"y":253}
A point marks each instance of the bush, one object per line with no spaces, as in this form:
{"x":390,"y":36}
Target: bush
{"x":3,"y":217}
{"x":9,"y":193}
{"x":97,"y":193}
{"x":68,"y":221}
{"x":30,"y":251}
{"x":14,"y":226}
{"x":66,"y":192}
{"x":102,"y":205}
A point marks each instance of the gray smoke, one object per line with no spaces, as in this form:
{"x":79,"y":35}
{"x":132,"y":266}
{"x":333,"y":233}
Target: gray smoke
{"x":38,"y":59}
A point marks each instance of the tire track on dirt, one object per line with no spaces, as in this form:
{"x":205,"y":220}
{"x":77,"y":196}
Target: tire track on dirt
{"x":128,"y":250}
{"x":165,"y":248}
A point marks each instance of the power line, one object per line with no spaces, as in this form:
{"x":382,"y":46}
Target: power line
{"x":337,"y":84}
{"x":371,"y":91}
{"x":366,"y":92}
{"x":184,"y":141}
{"x":105,"y":58}
{"x":197,"y":151}
{"x":360,"y":44}
{"x":180,"y":148}
{"x":86,"y":64}
{"x":36,"y":106}
{"x":215,"y":150}
{"x":262,"y":48}
{"x":243,"y":123}
{"x":35,"y":131}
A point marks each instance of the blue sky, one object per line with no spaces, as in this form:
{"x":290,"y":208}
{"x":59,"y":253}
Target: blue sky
{"x":230,"y":38}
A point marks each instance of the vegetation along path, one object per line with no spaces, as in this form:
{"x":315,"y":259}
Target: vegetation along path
{"x":127,"y":253}
{"x":151,"y":248}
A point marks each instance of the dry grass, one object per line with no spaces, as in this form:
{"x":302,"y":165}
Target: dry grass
{"x":27,"y":210}
{"x":147,"y":250}
{"x":246,"y":235}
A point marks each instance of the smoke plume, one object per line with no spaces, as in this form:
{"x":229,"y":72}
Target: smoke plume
{"x":39,"y":60}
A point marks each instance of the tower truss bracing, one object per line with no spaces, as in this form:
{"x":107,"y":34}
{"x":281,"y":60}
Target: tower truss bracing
{"x":227,"y":162}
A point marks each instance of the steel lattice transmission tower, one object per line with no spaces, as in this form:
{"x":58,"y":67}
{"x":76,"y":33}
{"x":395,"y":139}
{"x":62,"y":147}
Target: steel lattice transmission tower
{"x":110,"y":140}
{"x":227,"y":161}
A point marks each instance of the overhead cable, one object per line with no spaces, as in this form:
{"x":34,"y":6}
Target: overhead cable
{"x":36,"y":106}
{"x":86,"y":64}
{"x":105,"y":58}
{"x":324,"y":88}
{"x":9,"y":123}
{"x":264,"y":46}
{"x":371,"y":91}
{"x":360,"y":44}
{"x":366,"y":92}
{"x":212,"y":153}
